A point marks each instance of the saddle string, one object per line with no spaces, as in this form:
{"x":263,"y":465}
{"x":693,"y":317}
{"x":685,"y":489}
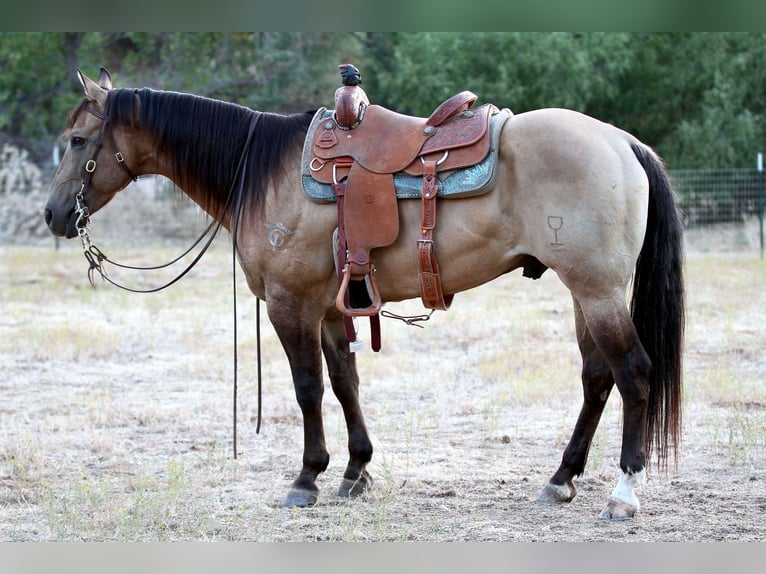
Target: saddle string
{"x":96,"y":257}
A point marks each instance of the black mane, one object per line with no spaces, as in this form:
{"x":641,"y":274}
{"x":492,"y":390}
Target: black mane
{"x":205,"y":138}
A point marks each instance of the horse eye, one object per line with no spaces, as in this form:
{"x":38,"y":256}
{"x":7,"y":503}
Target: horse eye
{"x":77,"y":141}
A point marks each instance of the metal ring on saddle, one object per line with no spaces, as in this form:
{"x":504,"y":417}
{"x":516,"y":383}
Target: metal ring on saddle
{"x":320,"y":163}
{"x":441,"y":160}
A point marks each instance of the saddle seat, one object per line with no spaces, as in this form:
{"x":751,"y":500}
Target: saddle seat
{"x":387,"y":142}
{"x":359,"y":150}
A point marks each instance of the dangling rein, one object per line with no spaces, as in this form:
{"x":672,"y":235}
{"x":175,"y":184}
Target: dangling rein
{"x":96,"y":257}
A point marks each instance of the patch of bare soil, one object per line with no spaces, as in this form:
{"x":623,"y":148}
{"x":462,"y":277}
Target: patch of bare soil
{"x":116,"y":414}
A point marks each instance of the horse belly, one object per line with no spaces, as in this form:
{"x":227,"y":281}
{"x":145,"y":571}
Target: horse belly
{"x":473,"y":239}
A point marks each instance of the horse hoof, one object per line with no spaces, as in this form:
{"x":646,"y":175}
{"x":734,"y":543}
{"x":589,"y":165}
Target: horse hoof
{"x":300,"y":498}
{"x":557,"y":493}
{"x":617,"y":510}
{"x":349,"y":488}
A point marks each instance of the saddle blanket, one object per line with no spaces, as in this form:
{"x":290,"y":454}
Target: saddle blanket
{"x":466,"y":182}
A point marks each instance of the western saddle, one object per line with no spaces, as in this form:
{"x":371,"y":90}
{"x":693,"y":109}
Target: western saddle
{"x":358,"y":151}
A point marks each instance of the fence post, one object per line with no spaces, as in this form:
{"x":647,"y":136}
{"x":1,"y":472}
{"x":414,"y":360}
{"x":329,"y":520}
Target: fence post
{"x":760,"y":197}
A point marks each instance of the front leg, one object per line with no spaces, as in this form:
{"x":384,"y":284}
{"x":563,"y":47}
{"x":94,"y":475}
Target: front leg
{"x":298,"y":329}
{"x":341,"y":364}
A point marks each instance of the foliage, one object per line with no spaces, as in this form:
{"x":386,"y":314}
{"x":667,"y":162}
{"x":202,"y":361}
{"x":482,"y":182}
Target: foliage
{"x":17,"y":173}
{"x":519,"y":70}
{"x":696,"y":97}
{"x":275,"y":71}
{"x":22,"y":194}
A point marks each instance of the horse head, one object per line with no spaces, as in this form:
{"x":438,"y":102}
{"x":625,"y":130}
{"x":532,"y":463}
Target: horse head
{"x":93,"y":168}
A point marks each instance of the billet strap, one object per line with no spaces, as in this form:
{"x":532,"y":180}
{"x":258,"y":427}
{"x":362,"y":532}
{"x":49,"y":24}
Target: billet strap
{"x":340,"y":193}
{"x":428,"y":269}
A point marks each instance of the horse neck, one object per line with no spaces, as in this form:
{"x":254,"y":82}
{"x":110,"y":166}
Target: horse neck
{"x":195,"y":142}
{"x":202,"y":149}
{"x":210,"y":198}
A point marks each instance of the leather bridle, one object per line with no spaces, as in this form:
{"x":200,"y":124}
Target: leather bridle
{"x":105,"y":125}
{"x":90,"y":167}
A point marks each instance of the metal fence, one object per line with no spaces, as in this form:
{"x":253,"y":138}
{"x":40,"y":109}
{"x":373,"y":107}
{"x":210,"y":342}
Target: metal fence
{"x":722,"y":199}
{"x":709,"y":196}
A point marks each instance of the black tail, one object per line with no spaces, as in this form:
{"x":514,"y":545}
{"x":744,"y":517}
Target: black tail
{"x":657,"y":308}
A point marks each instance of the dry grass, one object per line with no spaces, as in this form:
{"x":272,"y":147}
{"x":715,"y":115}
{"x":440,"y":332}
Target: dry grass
{"x":117,"y":412}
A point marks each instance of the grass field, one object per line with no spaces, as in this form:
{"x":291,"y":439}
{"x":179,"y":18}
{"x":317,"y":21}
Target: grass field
{"x":116,"y":414}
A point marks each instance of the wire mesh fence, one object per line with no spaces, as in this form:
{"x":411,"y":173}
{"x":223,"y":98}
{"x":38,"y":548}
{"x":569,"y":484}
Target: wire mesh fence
{"x":723,"y":205}
{"x":710,"y":196}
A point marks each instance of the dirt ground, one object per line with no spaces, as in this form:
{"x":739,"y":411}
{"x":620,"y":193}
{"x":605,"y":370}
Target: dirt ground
{"x":116,"y":412}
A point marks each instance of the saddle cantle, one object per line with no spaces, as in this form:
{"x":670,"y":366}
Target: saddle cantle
{"x":359,"y":149}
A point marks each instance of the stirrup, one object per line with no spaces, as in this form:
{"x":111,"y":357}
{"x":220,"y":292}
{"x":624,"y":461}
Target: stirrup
{"x":376,"y":303}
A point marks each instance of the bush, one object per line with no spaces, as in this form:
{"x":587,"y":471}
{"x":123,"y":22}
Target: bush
{"x":22,"y":196}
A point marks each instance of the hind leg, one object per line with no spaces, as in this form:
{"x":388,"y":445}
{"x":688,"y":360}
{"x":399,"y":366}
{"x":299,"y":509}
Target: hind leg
{"x":615,"y":336}
{"x":597,"y":382}
{"x":341,"y":364}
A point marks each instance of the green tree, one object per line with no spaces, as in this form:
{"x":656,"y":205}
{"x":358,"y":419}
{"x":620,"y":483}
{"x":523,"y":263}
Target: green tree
{"x":272,"y":71}
{"x":726,"y":127}
{"x":32,"y":82}
{"x":522,"y":71}
{"x":279,"y":71}
{"x":698,"y":98}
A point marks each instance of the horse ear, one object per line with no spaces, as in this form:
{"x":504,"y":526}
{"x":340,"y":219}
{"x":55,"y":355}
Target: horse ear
{"x":94,"y":91}
{"x":104,"y":79}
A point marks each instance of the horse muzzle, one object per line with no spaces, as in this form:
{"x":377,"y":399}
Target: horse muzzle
{"x":61,"y":222}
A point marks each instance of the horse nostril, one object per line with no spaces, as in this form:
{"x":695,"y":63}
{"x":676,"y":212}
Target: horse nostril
{"x":48,"y":217}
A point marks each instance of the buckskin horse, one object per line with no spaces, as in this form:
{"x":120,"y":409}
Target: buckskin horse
{"x":615,"y":232}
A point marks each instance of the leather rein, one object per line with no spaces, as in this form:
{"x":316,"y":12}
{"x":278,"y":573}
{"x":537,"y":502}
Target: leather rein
{"x":96,"y":257}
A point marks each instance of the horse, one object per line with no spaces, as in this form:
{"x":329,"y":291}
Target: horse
{"x":617,"y":245}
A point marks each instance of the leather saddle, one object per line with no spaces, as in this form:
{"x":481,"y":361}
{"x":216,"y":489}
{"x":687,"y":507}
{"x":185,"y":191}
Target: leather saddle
{"x":359,"y":150}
